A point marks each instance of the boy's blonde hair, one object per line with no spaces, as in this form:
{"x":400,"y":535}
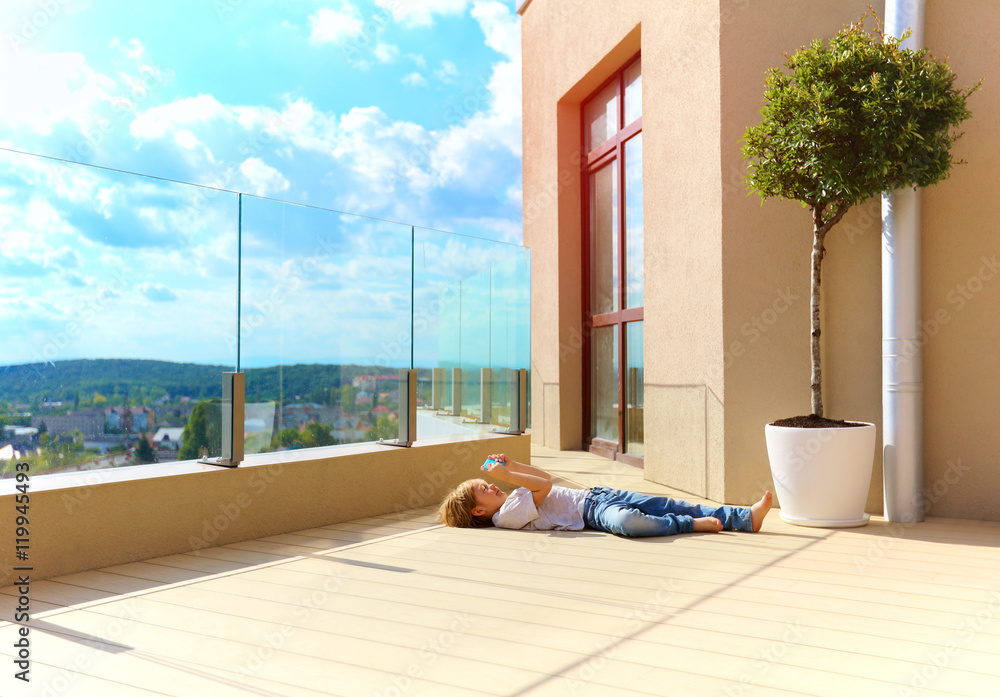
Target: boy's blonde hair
{"x":456,"y":509}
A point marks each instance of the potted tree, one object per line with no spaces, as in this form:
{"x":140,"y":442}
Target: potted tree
{"x":842,"y":123}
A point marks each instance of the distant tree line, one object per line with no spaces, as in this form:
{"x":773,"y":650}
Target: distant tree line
{"x":113,"y":382}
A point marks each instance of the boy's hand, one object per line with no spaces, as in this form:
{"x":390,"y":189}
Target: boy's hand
{"x":495,"y":469}
{"x":499,"y":457}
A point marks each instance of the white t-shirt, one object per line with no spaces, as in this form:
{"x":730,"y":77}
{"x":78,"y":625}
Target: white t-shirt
{"x":562,"y":509}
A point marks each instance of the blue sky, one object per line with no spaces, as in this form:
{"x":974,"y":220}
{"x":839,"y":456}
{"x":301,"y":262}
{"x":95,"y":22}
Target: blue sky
{"x":400,"y":110}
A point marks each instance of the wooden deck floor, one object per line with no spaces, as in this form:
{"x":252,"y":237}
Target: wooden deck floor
{"x":398,"y":605}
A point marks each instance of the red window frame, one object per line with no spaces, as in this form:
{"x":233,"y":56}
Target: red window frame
{"x":612,"y":150}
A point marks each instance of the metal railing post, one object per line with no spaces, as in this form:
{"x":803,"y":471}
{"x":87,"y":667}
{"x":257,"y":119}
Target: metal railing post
{"x":456,"y":391}
{"x":233,"y":418}
{"x":486,"y":395}
{"x":437,"y":388}
{"x":407,"y":410}
{"x":518,"y":402}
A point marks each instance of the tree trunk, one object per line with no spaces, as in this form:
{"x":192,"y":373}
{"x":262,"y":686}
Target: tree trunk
{"x":818,"y":252}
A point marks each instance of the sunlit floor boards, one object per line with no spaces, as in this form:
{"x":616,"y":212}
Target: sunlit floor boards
{"x":397,"y":605}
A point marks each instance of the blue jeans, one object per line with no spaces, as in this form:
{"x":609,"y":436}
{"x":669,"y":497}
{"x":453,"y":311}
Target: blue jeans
{"x":638,"y":515}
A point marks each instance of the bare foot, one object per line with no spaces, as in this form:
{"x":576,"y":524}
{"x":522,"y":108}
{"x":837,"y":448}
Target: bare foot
{"x":760,"y":509}
{"x":707,"y":525}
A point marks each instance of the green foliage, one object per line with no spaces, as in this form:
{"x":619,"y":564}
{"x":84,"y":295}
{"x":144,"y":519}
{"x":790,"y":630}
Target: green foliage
{"x":95,"y":379}
{"x":315,"y":435}
{"x":384,"y":428}
{"x":203,"y":432}
{"x":286,"y":438}
{"x":845,"y":122}
{"x":312,"y":435}
{"x":347,"y":397}
{"x":852,"y":119}
{"x":144,"y":453}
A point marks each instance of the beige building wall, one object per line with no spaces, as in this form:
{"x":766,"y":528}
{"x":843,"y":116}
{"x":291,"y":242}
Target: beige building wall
{"x":726,"y":278}
{"x":569,"y":48}
{"x":961,"y":280}
{"x":961,"y":303}
{"x":766,"y":256}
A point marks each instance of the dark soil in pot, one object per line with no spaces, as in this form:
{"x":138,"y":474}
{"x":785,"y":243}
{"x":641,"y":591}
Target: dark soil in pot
{"x":813,"y":421}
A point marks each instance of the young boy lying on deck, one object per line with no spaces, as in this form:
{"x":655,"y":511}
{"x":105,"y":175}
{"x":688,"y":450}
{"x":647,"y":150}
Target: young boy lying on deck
{"x":537,"y":504}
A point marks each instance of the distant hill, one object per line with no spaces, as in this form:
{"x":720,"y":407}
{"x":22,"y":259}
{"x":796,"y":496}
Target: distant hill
{"x":62,"y":380}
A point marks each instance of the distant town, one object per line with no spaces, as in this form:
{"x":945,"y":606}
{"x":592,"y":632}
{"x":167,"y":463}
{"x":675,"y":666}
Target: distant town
{"x":140,"y":424}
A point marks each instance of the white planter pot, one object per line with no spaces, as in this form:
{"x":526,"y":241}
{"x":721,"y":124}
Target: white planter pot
{"x":822,"y":475}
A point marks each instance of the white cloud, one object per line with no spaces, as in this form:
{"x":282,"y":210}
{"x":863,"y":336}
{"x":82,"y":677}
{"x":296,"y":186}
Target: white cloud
{"x":420,"y":13}
{"x":63,"y":258}
{"x":335,"y":25}
{"x":106,"y":199}
{"x":299,"y":123}
{"x":447,"y":71}
{"x":264,"y":180}
{"x":186,"y":139}
{"x":383,"y":151}
{"x":157,"y":292}
{"x":132,"y":48}
{"x":44,"y":91}
{"x":50,"y":89}
{"x":496,"y":124}
{"x":397,"y":165}
{"x":386,"y":53}
{"x":161,"y":120}
{"x":501,"y":27}
{"x":75,"y":185}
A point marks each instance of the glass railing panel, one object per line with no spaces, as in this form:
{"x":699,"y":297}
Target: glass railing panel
{"x":455,"y":300}
{"x":324,"y":325}
{"x":437,"y":328}
{"x":125,"y":301}
{"x":510,"y":329}
{"x":475,"y":340}
{"x":119,"y":313}
{"x":448,"y":342}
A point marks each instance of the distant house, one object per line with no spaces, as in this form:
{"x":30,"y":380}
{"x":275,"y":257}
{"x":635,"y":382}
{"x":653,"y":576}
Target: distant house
{"x":363,"y":397}
{"x":364,"y":382}
{"x":143,"y":418}
{"x":297,"y":415}
{"x":348,"y":429}
{"x":12,"y":432}
{"x":130,"y":419}
{"x":168,"y":438}
{"x":18,"y":437}
{"x":160,"y":401}
{"x":89,"y":422}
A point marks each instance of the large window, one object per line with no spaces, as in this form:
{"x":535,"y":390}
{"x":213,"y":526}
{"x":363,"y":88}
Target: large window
{"x":613,"y":275}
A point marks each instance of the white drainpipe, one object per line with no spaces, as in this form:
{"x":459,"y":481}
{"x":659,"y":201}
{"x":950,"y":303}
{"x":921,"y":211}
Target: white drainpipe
{"x":902,"y":351}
